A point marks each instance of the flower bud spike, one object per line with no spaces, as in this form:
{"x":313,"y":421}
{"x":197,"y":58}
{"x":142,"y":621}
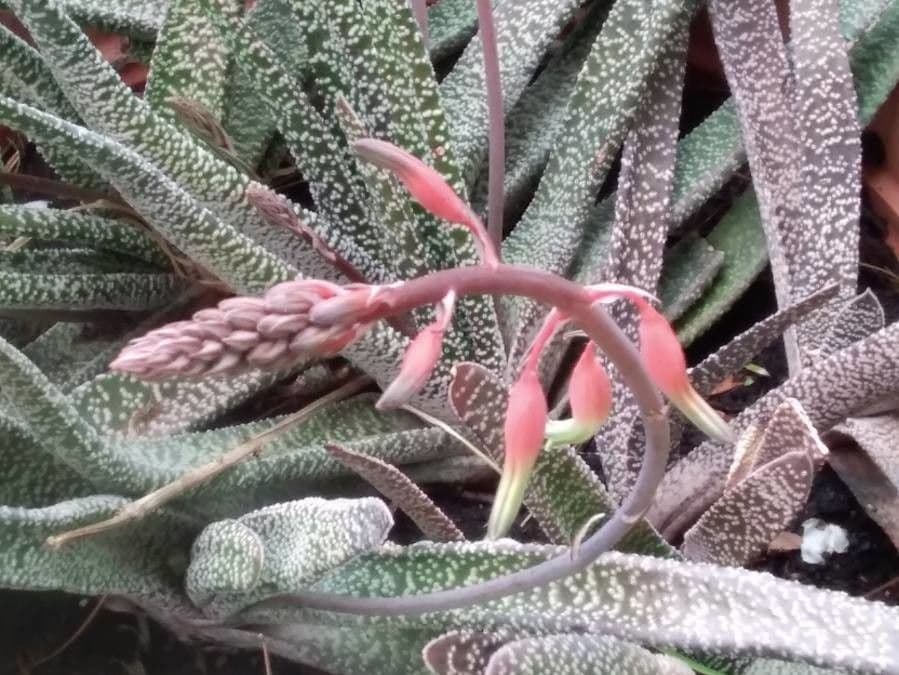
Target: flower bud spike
{"x":590,"y":395}
{"x":524,"y":425}
{"x":420,"y":358}
{"x":429,"y":189}
{"x":664,"y":360}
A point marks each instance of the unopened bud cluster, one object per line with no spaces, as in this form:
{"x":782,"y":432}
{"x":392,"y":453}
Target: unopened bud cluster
{"x":269,"y":332}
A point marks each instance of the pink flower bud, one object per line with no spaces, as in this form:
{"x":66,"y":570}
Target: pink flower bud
{"x":589,"y":390}
{"x":428,"y":188}
{"x":421,"y":356}
{"x":664,"y":360}
{"x":524,"y":426}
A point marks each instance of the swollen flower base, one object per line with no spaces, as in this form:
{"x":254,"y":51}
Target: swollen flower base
{"x":303,"y":318}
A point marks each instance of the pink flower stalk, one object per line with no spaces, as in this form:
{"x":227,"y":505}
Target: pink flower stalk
{"x":420,"y":358}
{"x":429,"y":189}
{"x":524,"y":427}
{"x":666,"y":364}
{"x":590,"y":396}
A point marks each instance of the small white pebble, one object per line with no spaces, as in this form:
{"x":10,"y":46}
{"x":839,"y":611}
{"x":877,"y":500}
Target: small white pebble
{"x":820,"y":538}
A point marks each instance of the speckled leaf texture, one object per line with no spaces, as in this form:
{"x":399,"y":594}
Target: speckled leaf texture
{"x":283,"y":546}
{"x":830,"y":390}
{"x":580,"y":655}
{"x":755,"y":508}
{"x":605,"y":99}
{"x":402,"y":492}
{"x":646,"y":600}
{"x":795,"y":156}
{"x":732,"y":356}
{"x":461,"y":652}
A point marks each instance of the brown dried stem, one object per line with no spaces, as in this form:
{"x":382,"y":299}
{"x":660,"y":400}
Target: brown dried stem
{"x":197,"y":476}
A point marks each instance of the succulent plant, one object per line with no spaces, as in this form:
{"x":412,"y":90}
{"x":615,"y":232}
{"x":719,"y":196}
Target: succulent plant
{"x":177,"y":210}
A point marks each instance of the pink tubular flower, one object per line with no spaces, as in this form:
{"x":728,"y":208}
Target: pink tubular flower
{"x":524,"y":426}
{"x":420,"y":358}
{"x":664,"y":360}
{"x":428,"y":188}
{"x":590,"y":395}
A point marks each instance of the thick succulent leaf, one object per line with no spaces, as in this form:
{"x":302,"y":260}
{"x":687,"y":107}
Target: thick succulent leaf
{"x":829,"y":390}
{"x":605,"y":99}
{"x":647,"y":600}
{"x":25,"y":76}
{"x":232,"y":256}
{"x":50,"y":416}
{"x":72,"y":294}
{"x":574,"y":654}
{"x":876,"y":68}
{"x":395,"y":486}
{"x":690,"y":267}
{"x":638,"y":236}
{"x":740,"y":350}
{"x":109,"y":107}
{"x":740,"y":238}
{"x":739,"y":526}
{"x":859,"y":318}
{"x":461,"y":652}
{"x":285,"y":545}
{"x":536,"y":120}
{"x":524,"y":31}
{"x":830,"y":161}
{"x":97,"y":566}
{"x":33,"y":477}
{"x":872,"y":469}
{"x":138,"y":18}
{"x":119,"y":405}
{"x":246,"y":118}
{"x":80,"y":228}
{"x":190,"y":60}
{"x":564,"y":493}
{"x":451,"y":23}
{"x":773,"y":667}
{"x":792,"y":154}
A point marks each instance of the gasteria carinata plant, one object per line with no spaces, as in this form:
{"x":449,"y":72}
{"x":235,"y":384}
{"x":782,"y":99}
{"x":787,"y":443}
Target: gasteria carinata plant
{"x":178,"y":206}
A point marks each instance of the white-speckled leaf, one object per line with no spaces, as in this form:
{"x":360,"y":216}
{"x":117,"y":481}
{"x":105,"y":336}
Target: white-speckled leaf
{"x":288,"y":545}
{"x":741,"y":349}
{"x":581,"y":655}
{"x":402,"y":492}
{"x":647,"y":600}
{"x":461,"y":652}
{"x":190,"y":60}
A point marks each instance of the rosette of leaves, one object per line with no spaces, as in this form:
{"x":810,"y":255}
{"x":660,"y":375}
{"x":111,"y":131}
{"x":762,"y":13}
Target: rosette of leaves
{"x":167,"y":216}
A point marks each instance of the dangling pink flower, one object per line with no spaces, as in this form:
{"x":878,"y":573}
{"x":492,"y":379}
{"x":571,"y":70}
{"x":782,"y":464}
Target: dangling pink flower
{"x":428,"y":188}
{"x":524,"y":427}
{"x":663,"y":358}
{"x":420,"y":358}
{"x":590,"y":396}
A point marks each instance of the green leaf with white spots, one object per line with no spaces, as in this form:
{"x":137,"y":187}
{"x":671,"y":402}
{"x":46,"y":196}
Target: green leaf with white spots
{"x":119,"y":405}
{"x":80,"y":227}
{"x":524,"y":32}
{"x":138,"y":18}
{"x":451,"y":24}
{"x":740,"y":238}
{"x":689,"y":268}
{"x":190,"y":60}
{"x":172,"y":212}
{"x":70,"y":294}
{"x":106,"y":564}
{"x":286,"y":545}
{"x":650,"y":601}
{"x":608,"y":93}
{"x":51,"y":417}
{"x":108,"y":107}
{"x":24,"y":75}
{"x":580,"y":655}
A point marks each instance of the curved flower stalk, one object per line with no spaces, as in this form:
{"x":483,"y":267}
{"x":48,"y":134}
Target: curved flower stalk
{"x":303,"y":317}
